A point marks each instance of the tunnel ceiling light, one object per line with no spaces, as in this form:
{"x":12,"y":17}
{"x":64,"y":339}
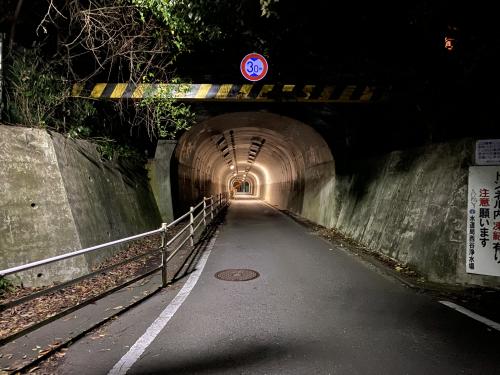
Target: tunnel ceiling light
{"x":222,"y":146}
{"x":221,"y":141}
{"x":233,"y":146}
{"x":254,"y":150}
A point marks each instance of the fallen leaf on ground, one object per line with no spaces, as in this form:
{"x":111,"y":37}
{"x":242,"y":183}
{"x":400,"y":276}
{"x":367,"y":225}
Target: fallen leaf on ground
{"x":43,"y":352}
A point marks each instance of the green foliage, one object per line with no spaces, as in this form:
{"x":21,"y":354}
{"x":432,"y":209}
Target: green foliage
{"x":78,"y":112}
{"x":185,"y":19}
{"x":5,"y":285}
{"x":110,"y":149}
{"x":33,"y":89}
{"x":266,"y":7}
{"x":163,"y":116}
{"x":37,"y":96}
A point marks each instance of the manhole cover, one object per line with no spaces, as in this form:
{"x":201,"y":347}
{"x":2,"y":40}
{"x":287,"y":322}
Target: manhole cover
{"x":237,"y":275}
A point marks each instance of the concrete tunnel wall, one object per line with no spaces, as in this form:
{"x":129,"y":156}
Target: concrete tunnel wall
{"x":283,"y":158}
{"x":410,"y":206}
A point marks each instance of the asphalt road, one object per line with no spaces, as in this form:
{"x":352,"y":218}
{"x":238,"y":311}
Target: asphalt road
{"x":314,"y":309}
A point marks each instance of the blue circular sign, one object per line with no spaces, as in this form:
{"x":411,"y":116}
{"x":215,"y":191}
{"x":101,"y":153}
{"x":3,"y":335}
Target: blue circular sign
{"x":254,"y":67}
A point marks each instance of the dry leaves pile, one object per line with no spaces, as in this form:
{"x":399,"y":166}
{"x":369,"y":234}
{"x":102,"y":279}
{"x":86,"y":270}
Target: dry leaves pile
{"x":19,"y":317}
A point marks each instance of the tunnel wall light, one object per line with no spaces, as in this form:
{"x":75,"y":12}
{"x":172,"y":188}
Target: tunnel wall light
{"x":222,"y":145}
{"x":254,"y":150}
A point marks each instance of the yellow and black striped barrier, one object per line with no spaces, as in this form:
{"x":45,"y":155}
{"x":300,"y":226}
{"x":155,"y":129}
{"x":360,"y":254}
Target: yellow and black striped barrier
{"x":257,"y":92}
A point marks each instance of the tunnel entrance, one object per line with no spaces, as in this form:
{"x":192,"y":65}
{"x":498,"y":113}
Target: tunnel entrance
{"x":243,"y":187}
{"x":264,"y":155}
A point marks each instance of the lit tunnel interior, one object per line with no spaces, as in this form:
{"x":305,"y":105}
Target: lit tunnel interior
{"x":263,"y":155}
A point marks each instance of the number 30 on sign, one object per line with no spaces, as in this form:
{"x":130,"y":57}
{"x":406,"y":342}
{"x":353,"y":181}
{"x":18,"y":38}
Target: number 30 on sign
{"x":254,"y":67}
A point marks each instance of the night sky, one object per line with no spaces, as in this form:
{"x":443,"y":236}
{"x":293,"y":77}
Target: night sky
{"x":323,"y":41}
{"x":437,"y":93}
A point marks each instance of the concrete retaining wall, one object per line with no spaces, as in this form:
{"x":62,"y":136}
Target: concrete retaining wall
{"x":36,"y":220}
{"x":57,"y":196}
{"x":159,"y":175}
{"x":408,"y":205}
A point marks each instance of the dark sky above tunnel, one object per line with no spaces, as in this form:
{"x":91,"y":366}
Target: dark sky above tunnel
{"x":364,"y":40}
{"x":438,"y":94}
{"x":400,"y":44}
{"x":325,"y":41}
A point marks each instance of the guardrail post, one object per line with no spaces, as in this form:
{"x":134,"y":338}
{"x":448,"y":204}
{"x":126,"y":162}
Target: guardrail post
{"x":191,"y":226}
{"x":204,"y":211}
{"x":164,"y":249}
{"x":211,"y":208}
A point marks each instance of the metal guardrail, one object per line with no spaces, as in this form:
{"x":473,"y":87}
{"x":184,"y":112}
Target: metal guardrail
{"x":200,"y":216}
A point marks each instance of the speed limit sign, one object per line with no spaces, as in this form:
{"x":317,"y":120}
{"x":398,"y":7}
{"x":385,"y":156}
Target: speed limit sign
{"x":253,"y":67}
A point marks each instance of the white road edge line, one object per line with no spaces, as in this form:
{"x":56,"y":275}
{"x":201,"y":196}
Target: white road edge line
{"x":470,"y":314}
{"x":128,"y":360}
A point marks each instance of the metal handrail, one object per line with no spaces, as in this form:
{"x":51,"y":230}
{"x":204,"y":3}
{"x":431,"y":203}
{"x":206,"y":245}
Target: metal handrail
{"x":57,"y":287}
{"x":172,"y":240}
{"x":178,"y":248}
{"x":198,"y":205}
{"x":43,"y":262}
{"x":221,"y":201}
{"x":198,"y":216}
{"x":197,"y":226}
{"x":176,"y":221}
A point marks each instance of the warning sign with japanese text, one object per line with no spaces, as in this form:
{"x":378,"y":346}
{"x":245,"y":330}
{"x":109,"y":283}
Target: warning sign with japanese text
{"x":483,"y":221}
{"x":488,"y":152}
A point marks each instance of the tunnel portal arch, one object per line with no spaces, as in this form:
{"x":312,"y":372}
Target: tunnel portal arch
{"x":244,"y":185}
{"x":282,"y":159}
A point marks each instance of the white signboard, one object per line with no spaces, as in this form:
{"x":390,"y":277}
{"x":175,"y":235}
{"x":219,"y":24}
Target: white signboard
{"x":483,"y":221}
{"x":488,"y":152}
